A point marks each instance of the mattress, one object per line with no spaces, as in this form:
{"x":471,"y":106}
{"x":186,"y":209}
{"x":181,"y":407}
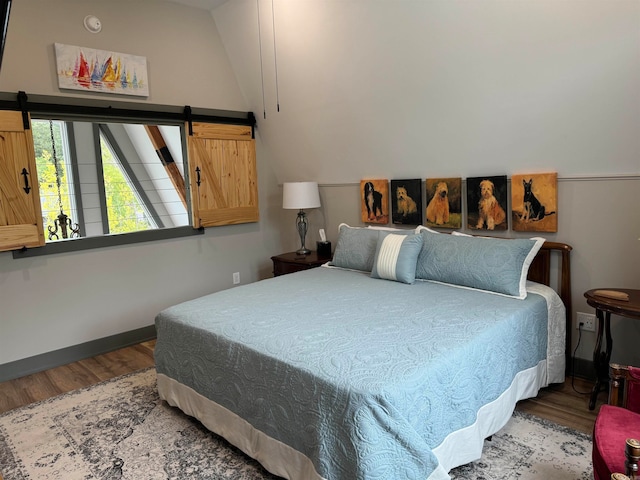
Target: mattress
{"x":333,"y":374}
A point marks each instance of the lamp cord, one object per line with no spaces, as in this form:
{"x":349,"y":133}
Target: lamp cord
{"x":573,"y":363}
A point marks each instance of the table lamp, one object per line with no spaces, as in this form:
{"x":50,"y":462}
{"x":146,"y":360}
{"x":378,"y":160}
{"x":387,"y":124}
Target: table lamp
{"x":298,"y":196}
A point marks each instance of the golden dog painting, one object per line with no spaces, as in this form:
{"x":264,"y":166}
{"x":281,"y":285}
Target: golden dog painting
{"x":444,"y":202}
{"x":534,"y":202}
{"x":374,"y":201}
{"x":406,"y":201}
{"x":487,"y":203}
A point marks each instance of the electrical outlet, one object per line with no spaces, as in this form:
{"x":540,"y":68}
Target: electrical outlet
{"x":588,"y":320}
{"x":236,"y":278}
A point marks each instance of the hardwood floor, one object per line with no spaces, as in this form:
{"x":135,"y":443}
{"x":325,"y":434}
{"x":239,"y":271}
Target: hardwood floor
{"x":558,"y":403}
{"x":562,"y":404}
{"x":49,"y":383}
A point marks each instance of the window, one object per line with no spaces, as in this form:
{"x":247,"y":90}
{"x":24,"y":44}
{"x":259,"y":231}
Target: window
{"x":116,"y":184}
{"x":112,"y":174}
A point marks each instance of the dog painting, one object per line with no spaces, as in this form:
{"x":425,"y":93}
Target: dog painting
{"x":438,"y":206}
{"x":375,"y":201}
{"x":487,"y":203}
{"x":534,"y":200}
{"x":444,"y":202}
{"x":406,"y":201}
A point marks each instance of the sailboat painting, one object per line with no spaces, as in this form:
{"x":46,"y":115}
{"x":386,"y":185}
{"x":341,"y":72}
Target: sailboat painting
{"x":102,"y":71}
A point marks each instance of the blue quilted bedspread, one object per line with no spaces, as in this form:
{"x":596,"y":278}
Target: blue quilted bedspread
{"x":364,"y":376}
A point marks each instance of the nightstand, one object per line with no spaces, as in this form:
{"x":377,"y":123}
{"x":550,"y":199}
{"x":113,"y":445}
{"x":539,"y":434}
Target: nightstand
{"x":605,"y":305}
{"x":292,"y":262}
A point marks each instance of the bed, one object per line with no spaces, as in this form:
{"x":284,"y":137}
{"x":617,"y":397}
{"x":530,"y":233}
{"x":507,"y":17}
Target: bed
{"x":395,"y":360}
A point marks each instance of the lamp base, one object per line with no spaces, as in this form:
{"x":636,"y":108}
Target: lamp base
{"x":301,"y":225}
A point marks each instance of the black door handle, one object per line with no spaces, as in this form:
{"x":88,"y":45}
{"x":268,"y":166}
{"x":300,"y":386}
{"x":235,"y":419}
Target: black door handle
{"x":25,"y":174}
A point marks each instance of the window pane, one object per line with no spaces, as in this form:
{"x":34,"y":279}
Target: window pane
{"x":125,"y":210}
{"x":56,"y":189}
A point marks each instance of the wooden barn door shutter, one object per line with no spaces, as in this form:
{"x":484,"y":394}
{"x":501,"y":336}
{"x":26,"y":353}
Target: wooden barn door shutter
{"x":223,"y":176}
{"x":20,"y":212}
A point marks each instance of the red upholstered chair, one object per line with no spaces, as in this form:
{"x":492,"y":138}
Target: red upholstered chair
{"x":616,"y":423}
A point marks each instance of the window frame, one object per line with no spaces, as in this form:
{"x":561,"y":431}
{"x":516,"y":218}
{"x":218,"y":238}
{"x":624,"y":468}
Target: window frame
{"x":99,"y":111}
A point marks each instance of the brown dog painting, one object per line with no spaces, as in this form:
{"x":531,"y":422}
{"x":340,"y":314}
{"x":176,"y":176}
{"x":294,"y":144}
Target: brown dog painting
{"x":443,"y":202}
{"x":490,"y":211}
{"x":438,"y":207}
{"x":489,"y":194}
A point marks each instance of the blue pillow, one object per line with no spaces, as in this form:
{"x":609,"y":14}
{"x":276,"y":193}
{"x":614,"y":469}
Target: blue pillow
{"x":396,"y":257}
{"x":355,"y":248}
{"x":422,"y":257}
{"x":495,"y":265}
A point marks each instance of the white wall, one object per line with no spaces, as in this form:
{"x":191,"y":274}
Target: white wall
{"x":186,"y":61}
{"x":447,"y":88}
{"x":441,"y":87}
{"x":52,"y":302}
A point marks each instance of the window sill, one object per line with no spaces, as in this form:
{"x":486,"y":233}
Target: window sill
{"x":88,"y":243}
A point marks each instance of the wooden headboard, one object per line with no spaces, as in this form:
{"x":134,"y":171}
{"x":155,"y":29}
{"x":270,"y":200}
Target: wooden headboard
{"x":540,"y":271}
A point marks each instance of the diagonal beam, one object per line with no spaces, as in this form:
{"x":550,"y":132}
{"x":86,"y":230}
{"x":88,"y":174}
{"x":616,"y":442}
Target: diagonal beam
{"x":157,"y":140}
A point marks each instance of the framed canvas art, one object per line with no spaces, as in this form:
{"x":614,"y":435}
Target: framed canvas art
{"x":374,"y":201}
{"x":534,"y":202}
{"x":444,"y":202}
{"x":487,"y":203}
{"x":406,"y":201}
{"x":103,"y":71}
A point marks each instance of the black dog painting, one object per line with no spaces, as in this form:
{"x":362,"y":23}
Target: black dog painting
{"x":374,"y":201}
{"x":534,"y":202}
{"x":406,"y":201}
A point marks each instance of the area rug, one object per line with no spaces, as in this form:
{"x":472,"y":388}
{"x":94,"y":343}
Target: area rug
{"x":120,"y":429}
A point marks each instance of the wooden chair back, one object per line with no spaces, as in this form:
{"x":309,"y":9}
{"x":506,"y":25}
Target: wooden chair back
{"x":624,"y":387}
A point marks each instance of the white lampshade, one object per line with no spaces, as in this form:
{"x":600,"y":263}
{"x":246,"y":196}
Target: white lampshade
{"x":297,"y":195}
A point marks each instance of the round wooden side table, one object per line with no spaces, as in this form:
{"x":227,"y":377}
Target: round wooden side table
{"x":605,"y":306}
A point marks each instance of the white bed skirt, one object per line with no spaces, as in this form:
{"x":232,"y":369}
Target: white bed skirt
{"x":275,"y":456}
{"x":465,"y":445}
{"x":458,"y":448}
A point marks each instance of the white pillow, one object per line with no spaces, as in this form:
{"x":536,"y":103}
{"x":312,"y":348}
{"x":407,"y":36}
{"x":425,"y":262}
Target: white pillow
{"x":396,"y":256}
{"x":422,"y":228}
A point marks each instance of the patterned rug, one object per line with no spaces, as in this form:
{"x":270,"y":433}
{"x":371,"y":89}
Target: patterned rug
{"x":121,"y":430}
